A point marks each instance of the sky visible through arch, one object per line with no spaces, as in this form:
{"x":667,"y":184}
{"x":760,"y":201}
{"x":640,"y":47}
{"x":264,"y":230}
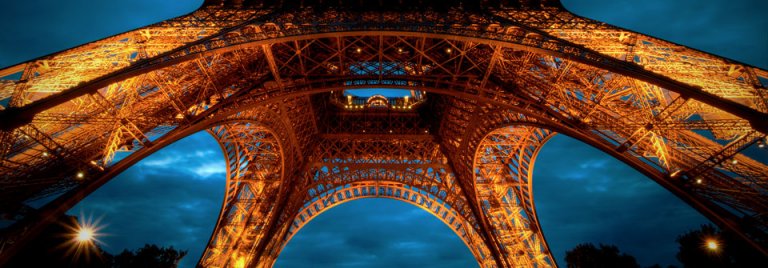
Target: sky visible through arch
{"x":582,"y":195}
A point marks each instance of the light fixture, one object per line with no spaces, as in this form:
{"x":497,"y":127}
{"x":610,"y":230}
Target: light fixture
{"x":45,"y":154}
{"x":712,"y":244}
{"x":448,"y":50}
{"x":84,"y":234}
{"x":80,"y":175}
{"x":734,"y":161}
{"x":358,"y":50}
{"x":699,"y":181}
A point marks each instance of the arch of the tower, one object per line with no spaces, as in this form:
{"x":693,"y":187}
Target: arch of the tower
{"x":503,"y":168}
{"x":481,"y":73}
{"x":391,"y":184}
{"x":339,"y":170}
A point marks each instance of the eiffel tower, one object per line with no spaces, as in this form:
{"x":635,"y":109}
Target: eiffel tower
{"x":485,"y":84}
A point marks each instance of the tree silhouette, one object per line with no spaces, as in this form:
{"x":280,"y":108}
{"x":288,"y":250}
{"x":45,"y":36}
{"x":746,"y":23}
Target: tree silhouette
{"x":726,"y":250}
{"x":149,"y":256}
{"x":54,"y":248}
{"x":607,"y":256}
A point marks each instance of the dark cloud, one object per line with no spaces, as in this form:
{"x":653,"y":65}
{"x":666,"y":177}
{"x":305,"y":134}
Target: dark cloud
{"x":35,"y":28}
{"x":734,"y":29}
{"x":171,"y":198}
{"x":376,"y":233}
{"x":582,"y":195}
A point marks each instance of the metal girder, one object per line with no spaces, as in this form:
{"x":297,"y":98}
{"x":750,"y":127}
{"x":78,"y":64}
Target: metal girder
{"x":250,"y":70}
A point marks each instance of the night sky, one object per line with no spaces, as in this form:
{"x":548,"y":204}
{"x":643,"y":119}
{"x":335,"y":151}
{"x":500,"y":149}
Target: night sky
{"x":173,"y":197}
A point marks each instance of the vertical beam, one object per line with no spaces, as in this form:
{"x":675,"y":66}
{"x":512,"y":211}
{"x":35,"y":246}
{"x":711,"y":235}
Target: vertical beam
{"x":272,"y":65}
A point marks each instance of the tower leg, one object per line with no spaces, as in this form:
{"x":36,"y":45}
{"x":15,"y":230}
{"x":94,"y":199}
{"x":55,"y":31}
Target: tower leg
{"x":255,"y":171}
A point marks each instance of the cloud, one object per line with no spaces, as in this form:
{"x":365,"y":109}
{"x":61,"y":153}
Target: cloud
{"x":189,"y":159}
{"x":399,"y":235}
{"x":210,"y":169}
{"x":733,"y":29}
{"x":39,"y":27}
{"x":155,"y":201}
{"x":612,"y":204}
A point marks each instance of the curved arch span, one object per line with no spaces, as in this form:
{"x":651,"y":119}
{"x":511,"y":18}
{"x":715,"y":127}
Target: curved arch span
{"x":71,"y":198}
{"x":537,"y":119}
{"x":395,"y":191}
{"x":715,"y":213}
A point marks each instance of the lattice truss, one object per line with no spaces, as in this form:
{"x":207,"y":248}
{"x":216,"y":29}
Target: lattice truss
{"x":262,"y":82}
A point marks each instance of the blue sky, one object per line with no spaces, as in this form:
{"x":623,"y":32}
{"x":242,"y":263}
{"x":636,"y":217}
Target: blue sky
{"x":582,"y":195}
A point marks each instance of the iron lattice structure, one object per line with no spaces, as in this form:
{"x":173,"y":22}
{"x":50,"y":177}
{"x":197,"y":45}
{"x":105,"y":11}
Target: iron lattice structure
{"x":491,"y":81}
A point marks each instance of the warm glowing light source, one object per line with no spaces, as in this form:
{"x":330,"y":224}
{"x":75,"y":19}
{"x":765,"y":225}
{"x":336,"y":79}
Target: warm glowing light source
{"x":45,"y":154}
{"x":80,"y":175}
{"x":448,"y":50}
{"x":358,"y":50}
{"x":85,"y":234}
{"x":399,"y":50}
{"x":712,"y":244}
{"x":240,"y":263}
{"x":698,"y":181}
{"x":734,"y":161}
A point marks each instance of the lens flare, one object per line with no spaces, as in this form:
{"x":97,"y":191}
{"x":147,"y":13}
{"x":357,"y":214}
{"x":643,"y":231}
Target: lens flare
{"x":84,"y":237}
{"x":85,"y":234}
{"x":712,"y":244}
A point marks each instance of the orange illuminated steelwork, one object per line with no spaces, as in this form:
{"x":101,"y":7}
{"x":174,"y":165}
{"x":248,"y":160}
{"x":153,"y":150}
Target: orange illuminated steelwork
{"x":267,"y":79}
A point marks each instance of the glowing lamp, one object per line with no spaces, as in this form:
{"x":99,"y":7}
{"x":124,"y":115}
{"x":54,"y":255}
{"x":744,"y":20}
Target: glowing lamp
{"x":712,"y":244}
{"x":85,"y":234}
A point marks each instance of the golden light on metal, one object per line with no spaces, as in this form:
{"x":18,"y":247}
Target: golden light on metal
{"x":240,"y":262}
{"x":621,"y":91}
